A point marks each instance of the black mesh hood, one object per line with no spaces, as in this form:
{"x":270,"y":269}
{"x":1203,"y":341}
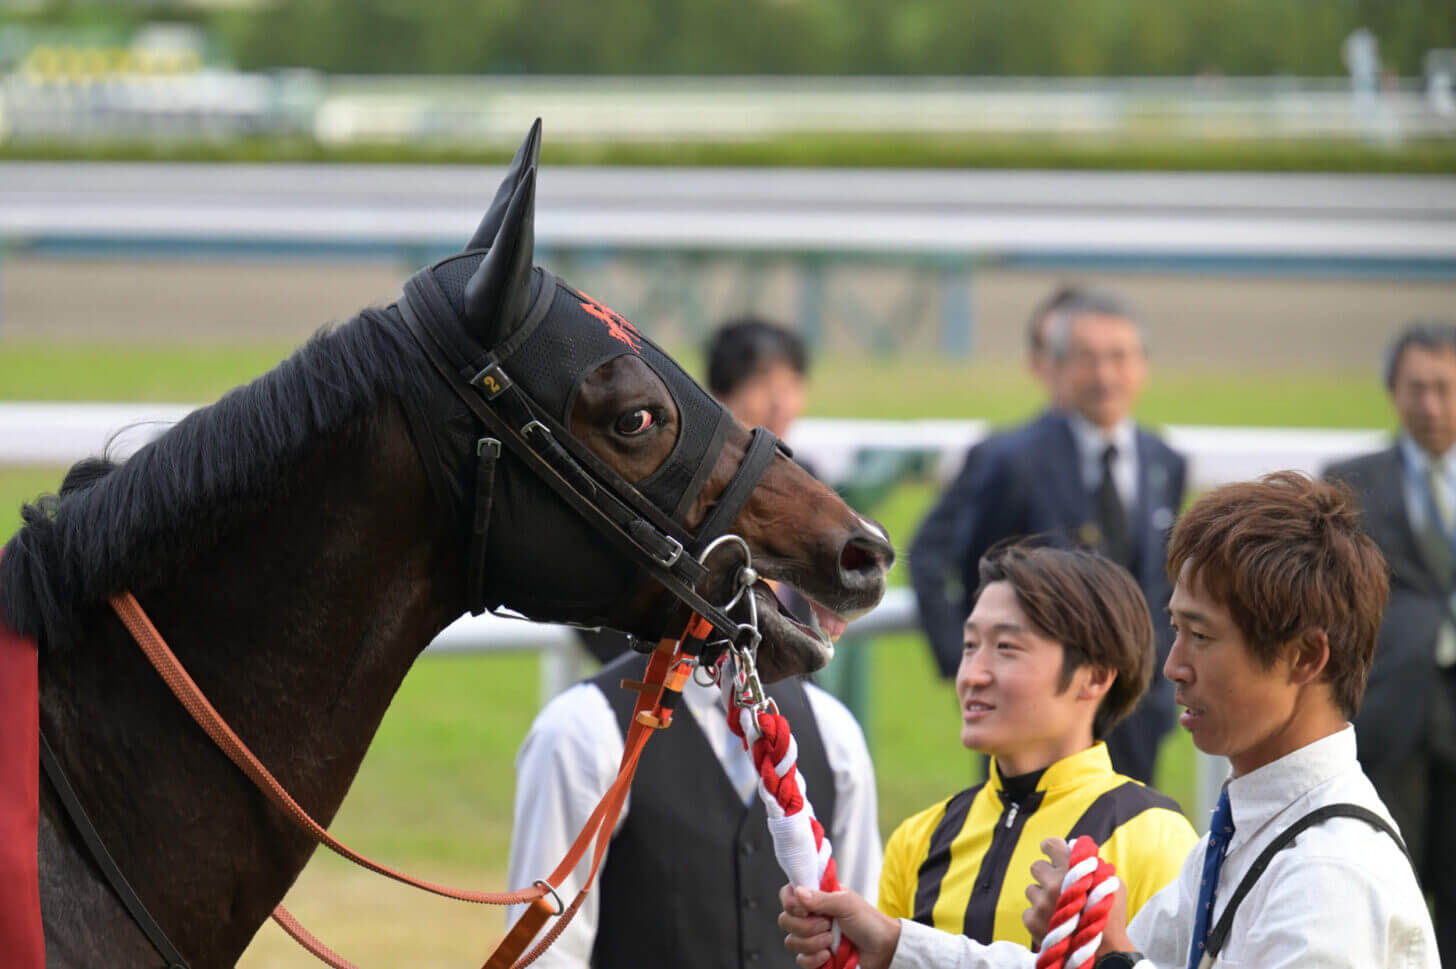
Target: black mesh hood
{"x":558,"y":345}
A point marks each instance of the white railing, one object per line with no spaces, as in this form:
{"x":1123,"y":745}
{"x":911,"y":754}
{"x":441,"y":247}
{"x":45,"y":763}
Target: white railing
{"x":46,"y":433}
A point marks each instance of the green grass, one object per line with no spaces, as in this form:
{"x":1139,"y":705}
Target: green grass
{"x":437,"y":784}
{"x":816,"y":149}
{"x":896,"y":387}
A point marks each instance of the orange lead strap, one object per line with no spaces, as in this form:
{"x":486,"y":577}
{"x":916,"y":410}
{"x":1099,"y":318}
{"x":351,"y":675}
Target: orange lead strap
{"x":667,"y":672}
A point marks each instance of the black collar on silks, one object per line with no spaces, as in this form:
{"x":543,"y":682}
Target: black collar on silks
{"x":522,"y":390}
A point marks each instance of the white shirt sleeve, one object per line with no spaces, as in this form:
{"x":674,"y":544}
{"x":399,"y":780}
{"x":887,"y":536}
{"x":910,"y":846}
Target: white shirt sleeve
{"x":855,"y":834}
{"x":564,"y":766}
{"x":922,"y":947}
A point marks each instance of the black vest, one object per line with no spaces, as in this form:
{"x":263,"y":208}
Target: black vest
{"x":691,"y":879}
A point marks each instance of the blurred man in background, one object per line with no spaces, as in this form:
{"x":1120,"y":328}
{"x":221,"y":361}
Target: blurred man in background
{"x":690,"y":876}
{"x":1407,"y":727}
{"x":942,"y":588}
{"x":1085,"y":474}
{"x":758,"y":370}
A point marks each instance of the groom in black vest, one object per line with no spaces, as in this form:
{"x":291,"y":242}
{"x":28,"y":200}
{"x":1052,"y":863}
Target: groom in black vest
{"x":690,"y":878}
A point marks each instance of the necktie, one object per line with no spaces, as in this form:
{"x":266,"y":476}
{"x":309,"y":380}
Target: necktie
{"x":1112,"y":514}
{"x":1436,"y":537}
{"x":1219,"y":833}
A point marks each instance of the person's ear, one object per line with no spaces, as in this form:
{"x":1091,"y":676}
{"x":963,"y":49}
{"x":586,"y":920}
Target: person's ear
{"x":1096,"y":681}
{"x":1309,"y":654}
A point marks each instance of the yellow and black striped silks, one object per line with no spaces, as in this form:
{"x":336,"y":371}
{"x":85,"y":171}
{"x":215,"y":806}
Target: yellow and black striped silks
{"x":963,"y":865}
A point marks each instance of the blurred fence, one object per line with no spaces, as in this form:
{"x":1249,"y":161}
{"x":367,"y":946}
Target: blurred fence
{"x":885,"y":260}
{"x":83,"y":96}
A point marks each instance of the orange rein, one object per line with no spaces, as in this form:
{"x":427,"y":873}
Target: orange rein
{"x":667,"y":672}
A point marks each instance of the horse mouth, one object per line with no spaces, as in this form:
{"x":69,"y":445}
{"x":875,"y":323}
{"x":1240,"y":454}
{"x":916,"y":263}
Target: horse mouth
{"x":789,"y":645}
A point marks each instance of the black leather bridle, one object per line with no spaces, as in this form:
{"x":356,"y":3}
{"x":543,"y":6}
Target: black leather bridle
{"x":665,"y":549}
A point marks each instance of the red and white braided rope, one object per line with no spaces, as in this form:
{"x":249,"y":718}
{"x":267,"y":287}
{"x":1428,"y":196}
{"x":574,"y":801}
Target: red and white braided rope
{"x":800,"y":842}
{"x":1088,"y":892}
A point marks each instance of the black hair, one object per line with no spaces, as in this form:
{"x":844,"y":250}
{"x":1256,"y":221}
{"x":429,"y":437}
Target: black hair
{"x":742,"y":347}
{"x":1426,"y":334}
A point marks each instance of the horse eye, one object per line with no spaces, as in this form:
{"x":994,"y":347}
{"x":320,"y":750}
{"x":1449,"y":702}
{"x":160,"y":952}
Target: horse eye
{"x":635,"y":422}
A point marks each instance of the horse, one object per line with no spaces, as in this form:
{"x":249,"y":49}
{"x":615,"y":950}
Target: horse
{"x":301,"y":540}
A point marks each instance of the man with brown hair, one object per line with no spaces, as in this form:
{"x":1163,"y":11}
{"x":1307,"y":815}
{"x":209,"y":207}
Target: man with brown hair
{"x":1277,"y":601}
{"x":1058,"y":648}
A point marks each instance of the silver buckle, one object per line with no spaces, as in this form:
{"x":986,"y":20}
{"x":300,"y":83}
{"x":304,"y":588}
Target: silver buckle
{"x":669,"y":560}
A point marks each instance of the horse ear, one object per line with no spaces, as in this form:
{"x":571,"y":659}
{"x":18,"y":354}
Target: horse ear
{"x":496,"y":296}
{"x":525,"y":161}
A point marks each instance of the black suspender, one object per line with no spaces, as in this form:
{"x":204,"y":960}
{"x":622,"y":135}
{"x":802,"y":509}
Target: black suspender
{"x":1219,"y":934}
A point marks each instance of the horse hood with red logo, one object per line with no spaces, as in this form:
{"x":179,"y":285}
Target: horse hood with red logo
{"x":544,"y":338}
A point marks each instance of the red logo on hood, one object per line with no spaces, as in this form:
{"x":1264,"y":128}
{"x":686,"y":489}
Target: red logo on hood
{"x":618,"y":326}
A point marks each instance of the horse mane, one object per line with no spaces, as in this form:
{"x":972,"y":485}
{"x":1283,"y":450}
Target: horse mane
{"x":118,"y":525}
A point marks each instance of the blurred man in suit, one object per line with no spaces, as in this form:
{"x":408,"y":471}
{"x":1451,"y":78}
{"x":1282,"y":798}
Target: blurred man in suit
{"x":1406,"y":729}
{"x":1084,"y":474}
{"x":942,"y":593}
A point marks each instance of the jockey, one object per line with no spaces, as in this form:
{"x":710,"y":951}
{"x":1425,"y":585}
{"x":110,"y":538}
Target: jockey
{"x":1058,"y":648}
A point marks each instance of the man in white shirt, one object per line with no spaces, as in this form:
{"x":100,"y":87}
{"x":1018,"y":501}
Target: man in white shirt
{"x":1277,"y":602}
{"x":570,"y":758}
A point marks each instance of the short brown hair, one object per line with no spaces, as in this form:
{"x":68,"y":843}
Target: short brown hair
{"x":1285,"y":555}
{"x":1091,"y":606}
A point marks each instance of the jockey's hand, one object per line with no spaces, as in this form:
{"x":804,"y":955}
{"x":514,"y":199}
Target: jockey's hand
{"x":1046,"y":887}
{"x":807,"y":916}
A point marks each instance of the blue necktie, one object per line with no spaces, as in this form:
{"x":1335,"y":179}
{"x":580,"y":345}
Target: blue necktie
{"x":1219,"y":833}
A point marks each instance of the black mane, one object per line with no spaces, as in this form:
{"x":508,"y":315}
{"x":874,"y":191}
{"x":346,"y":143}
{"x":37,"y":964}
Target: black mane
{"x":116,"y":525}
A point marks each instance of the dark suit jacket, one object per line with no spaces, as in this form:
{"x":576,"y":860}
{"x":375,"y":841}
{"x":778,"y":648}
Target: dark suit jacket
{"x":1393,"y":717}
{"x":1030,"y":483}
{"x":935,"y":562}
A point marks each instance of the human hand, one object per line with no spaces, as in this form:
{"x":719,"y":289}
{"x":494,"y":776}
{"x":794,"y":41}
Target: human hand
{"x":807,"y":918}
{"x":1046,"y":887}
{"x":1114,"y":935}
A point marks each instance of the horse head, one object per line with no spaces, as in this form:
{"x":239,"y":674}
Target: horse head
{"x":574,"y":381}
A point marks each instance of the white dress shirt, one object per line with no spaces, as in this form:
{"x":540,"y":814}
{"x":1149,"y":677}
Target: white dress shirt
{"x":1092,"y":442}
{"x":1342,"y":896}
{"x":1417,"y":505}
{"x":570,"y":757}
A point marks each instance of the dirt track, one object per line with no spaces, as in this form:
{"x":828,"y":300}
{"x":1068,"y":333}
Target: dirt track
{"x":1192,"y":321}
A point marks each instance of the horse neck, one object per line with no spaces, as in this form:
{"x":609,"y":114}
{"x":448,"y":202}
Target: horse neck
{"x":299,"y":629}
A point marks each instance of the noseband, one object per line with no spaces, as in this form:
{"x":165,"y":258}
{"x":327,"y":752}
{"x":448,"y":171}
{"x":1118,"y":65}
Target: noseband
{"x":663,"y":547}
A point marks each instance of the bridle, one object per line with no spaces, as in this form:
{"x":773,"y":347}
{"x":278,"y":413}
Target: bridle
{"x":663,"y":547}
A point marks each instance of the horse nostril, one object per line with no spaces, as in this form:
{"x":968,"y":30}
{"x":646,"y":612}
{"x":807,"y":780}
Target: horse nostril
{"x":864,"y":558}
